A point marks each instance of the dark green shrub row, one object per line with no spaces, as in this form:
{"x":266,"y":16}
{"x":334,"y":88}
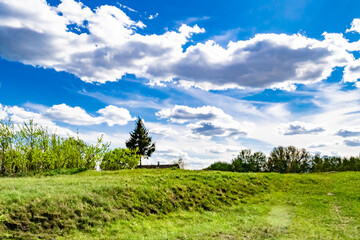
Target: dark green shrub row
{"x":287,"y":160}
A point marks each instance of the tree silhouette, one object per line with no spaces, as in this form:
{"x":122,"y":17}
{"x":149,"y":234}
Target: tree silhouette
{"x":140,"y":140}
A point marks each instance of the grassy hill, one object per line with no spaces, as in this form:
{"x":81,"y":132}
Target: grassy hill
{"x":178,"y":204}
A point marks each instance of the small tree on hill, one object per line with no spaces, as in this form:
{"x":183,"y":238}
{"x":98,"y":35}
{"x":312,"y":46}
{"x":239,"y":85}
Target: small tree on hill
{"x":140,"y":140}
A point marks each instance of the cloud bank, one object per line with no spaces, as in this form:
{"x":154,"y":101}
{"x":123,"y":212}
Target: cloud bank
{"x":297,"y":127}
{"x":206,"y":121}
{"x":111,"y":115}
{"x":104,"y":44}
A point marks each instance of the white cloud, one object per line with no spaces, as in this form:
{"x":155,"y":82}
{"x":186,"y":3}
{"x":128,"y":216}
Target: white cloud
{"x":297,"y":127}
{"x":3,"y":113}
{"x":352,"y":71}
{"x":126,"y":7}
{"x":218,"y":129}
{"x":20,"y":115}
{"x":153,"y":16}
{"x":355,"y":26}
{"x":71,"y":115}
{"x":170,"y":153}
{"x":191,"y":20}
{"x":317,"y":145}
{"x":206,"y":121}
{"x":348,"y":133}
{"x":278,"y":110}
{"x":220,"y":149}
{"x":182,"y":114}
{"x":111,"y":115}
{"x":163,"y":131}
{"x":114,"y":115}
{"x":73,"y":11}
{"x":35,"y":33}
{"x":226,"y":36}
{"x":77,"y":116}
{"x":353,"y":142}
{"x":263,"y":61}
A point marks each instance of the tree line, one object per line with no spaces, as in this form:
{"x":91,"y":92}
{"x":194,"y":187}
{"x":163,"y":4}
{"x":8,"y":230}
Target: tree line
{"x":287,"y":160}
{"x":29,"y":147}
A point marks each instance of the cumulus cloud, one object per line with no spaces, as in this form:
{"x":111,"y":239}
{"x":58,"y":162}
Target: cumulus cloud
{"x":263,"y":61}
{"x":352,"y":71}
{"x":169,"y":153}
{"x":219,"y":149}
{"x":217,"y":129}
{"x":153,"y":16}
{"x":348,"y":133}
{"x":20,"y":115}
{"x":182,"y":114}
{"x":111,"y":115}
{"x":3,"y":113}
{"x":355,"y":26}
{"x":318,"y":145}
{"x":352,"y":142}
{"x":297,"y":127}
{"x":35,"y":33}
{"x":77,"y":116}
{"x":163,"y":131}
{"x":114,"y":115}
{"x":206,"y":121}
{"x":71,"y":115}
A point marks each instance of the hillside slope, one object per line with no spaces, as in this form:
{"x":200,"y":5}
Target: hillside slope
{"x":116,"y":205}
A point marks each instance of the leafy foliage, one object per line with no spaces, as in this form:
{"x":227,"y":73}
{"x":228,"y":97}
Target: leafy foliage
{"x":220,"y":166}
{"x":287,"y":160}
{"x":248,"y":162}
{"x":140,"y":140}
{"x":29,"y":147}
{"x":120,"y":158}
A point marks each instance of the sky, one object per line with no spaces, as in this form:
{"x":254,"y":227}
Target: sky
{"x":209,"y":78}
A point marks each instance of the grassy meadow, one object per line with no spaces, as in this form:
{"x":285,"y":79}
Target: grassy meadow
{"x":180,"y":204}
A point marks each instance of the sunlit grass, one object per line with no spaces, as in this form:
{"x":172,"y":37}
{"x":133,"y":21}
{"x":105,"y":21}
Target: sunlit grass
{"x":173,"y":204}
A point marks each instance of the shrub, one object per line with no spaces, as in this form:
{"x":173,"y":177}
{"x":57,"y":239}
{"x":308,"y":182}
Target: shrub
{"x":220,"y":166}
{"x":30,"y":148}
{"x":120,"y":158}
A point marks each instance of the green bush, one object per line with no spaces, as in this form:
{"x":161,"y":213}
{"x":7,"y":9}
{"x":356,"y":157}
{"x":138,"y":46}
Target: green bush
{"x":220,"y":166}
{"x":30,"y":148}
{"x":120,"y":158}
{"x":287,"y":160}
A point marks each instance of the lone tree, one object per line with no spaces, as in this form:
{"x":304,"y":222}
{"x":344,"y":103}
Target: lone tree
{"x":140,"y":140}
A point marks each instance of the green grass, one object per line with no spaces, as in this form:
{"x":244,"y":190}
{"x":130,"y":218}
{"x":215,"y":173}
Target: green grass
{"x":177,"y":204}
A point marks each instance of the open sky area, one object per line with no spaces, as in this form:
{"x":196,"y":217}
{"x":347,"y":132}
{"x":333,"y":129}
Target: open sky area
{"x":209,"y":78}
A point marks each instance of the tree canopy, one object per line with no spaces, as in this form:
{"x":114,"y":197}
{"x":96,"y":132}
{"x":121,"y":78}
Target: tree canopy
{"x":139,"y":139}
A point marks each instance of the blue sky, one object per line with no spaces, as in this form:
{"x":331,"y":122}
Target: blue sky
{"x":209,"y":78}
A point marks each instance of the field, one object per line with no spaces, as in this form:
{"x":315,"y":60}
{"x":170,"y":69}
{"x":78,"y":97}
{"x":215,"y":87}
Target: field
{"x":179,"y":204}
